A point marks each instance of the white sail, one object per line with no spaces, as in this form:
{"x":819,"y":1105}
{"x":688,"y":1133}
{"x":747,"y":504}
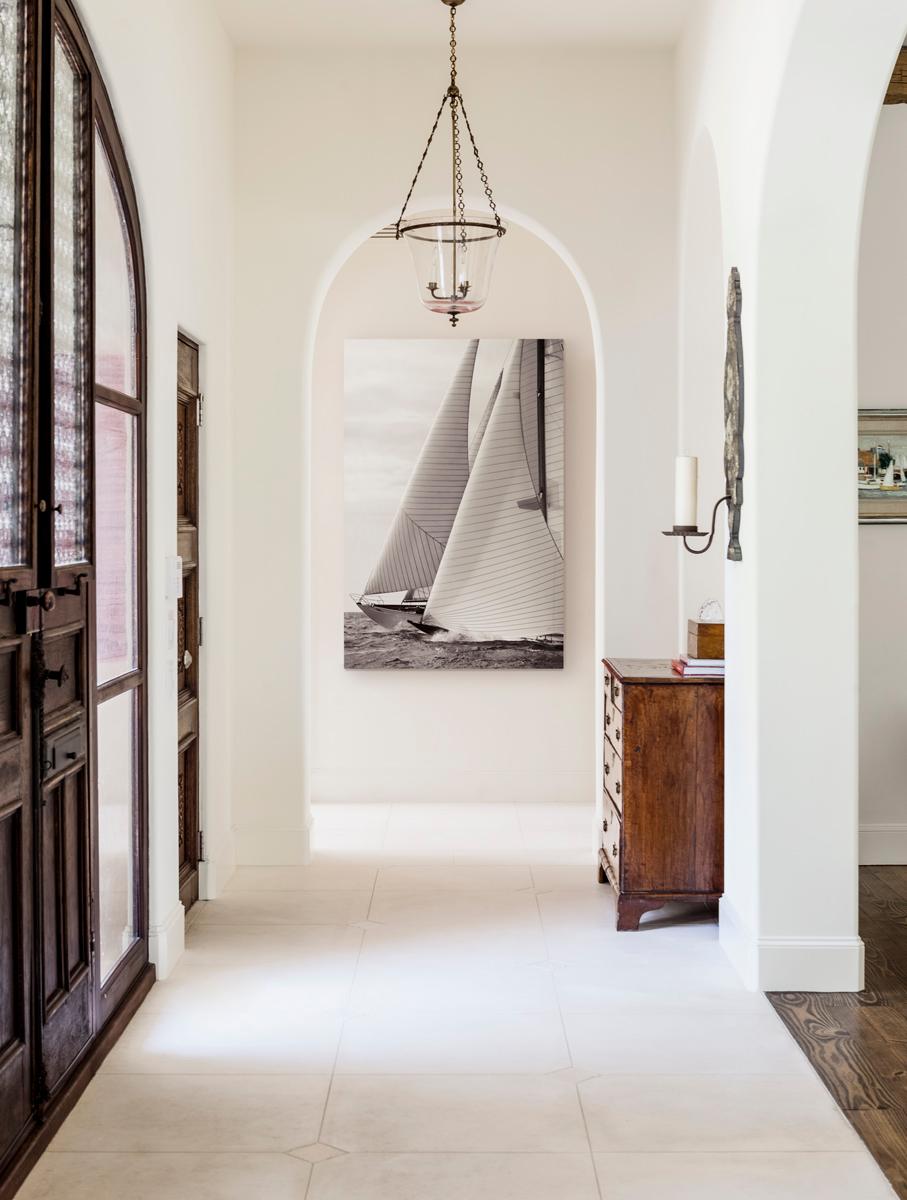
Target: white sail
{"x":502,"y":573}
{"x":476,"y":440}
{"x":418,"y":536}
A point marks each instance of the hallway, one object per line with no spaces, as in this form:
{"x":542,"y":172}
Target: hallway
{"x":439,"y":1009}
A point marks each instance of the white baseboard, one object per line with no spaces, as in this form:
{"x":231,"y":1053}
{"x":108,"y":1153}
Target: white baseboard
{"x":167,"y":940}
{"x":883,"y":844}
{"x":790,"y":964}
{"x":214,"y":872}
{"x":407,"y":786}
{"x":257,"y":847}
{"x":739,"y":944}
{"x":825,"y":964}
{"x":208,"y":880}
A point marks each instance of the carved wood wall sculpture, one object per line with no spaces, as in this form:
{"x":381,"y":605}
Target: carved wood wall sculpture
{"x":733,"y":416}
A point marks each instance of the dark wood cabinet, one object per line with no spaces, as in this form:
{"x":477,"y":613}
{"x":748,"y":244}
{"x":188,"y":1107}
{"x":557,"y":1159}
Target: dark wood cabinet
{"x":662,"y":835}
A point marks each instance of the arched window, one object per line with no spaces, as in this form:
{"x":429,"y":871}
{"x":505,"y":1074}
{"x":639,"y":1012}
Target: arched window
{"x":73,"y":710}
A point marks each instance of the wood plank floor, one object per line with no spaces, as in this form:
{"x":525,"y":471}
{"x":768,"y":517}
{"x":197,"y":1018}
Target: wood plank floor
{"x":858,"y":1041}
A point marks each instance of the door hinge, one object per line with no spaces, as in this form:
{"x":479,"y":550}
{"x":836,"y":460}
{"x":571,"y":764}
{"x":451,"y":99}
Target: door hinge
{"x":201,"y":845}
{"x":200,"y":409}
{"x":201,"y":630}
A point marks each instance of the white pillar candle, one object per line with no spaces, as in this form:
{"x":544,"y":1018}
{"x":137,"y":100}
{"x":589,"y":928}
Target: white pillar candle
{"x":686,"y":489}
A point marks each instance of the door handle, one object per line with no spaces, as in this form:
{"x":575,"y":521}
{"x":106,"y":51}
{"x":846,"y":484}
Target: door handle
{"x":60,"y":677}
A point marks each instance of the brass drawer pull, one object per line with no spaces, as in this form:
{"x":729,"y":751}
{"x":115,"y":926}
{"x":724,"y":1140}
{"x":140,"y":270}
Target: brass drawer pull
{"x":605,"y":825}
{"x":614,"y":850}
{"x":617,"y":787}
{"x":616,"y":690}
{"x":607,"y":718}
{"x":618,"y":735}
{"x":607,"y":768}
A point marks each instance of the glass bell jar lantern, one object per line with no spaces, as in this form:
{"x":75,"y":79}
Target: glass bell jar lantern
{"x":454,"y":249}
{"x":453,"y":258}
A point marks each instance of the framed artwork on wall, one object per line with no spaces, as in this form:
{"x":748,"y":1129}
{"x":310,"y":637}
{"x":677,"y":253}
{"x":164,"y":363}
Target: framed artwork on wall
{"x":882,"y":465}
{"x":454,"y":504}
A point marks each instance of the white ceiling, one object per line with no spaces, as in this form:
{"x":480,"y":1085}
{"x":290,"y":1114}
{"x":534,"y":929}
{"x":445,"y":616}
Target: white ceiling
{"x":295,"y":23}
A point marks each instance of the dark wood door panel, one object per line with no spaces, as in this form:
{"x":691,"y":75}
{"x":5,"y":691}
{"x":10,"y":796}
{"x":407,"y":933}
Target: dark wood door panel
{"x":188,"y":612}
{"x":16,"y":906}
{"x":15,"y":1052}
{"x":65,"y":922}
{"x":64,"y":662}
{"x":187,"y":780}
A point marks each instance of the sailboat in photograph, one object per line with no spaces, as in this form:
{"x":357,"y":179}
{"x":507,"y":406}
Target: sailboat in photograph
{"x":476,"y":549}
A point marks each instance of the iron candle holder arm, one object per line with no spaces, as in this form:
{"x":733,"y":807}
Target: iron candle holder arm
{"x":686,"y":531}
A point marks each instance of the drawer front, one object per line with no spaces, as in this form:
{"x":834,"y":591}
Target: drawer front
{"x":611,"y":836}
{"x":614,"y":725}
{"x":614,"y":690}
{"x":614,"y":774}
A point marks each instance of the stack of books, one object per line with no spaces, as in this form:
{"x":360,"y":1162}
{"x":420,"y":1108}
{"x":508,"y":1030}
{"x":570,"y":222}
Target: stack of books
{"x":702,"y":668}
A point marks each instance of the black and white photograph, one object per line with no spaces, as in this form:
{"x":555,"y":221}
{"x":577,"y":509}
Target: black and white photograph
{"x":454,"y":504}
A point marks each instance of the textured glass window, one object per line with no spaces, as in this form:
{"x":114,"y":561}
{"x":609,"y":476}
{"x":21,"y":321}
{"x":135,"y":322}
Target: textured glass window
{"x":115,"y":349}
{"x":116,"y":549}
{"x":12,"y":411}
{"x":70,"y":317}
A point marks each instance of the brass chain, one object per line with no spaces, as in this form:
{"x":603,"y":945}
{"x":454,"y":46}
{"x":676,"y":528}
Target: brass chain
{"x":482,"y":173}
{"x":455,"y":98}
{"x":412,"y":186}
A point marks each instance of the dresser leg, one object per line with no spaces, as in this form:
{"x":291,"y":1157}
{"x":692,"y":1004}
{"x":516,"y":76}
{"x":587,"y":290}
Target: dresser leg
{"x":631,"y":908}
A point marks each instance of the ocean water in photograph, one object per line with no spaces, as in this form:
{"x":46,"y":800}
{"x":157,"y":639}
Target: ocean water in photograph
{"x":366,"y":646}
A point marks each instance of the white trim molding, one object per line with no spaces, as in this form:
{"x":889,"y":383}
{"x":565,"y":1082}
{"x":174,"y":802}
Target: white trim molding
{"x":883,"y":844}
{"x":739,"y":944}
{"x":790,"y":964}
{"x":167,"y":940}
{"x":468,"y":786}
{"x":820,"y":964}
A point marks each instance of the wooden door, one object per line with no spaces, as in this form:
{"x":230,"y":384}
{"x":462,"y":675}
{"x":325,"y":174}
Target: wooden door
{"x":188,"y":422}
{"x":72,"y":546}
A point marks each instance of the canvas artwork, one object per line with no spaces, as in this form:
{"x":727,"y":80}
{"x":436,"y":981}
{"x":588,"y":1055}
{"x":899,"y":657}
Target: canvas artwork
{"x":454,"y":504}
{"x":882,"y":464}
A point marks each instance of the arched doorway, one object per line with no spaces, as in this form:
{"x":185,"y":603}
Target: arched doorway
{"x":519,"y":307}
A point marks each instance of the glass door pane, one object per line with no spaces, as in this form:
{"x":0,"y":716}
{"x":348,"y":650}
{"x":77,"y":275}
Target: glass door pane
{"x":115,"y":343}
{"x":70,"y":310}
{"x":116,"y":545}
{"x":13,"y":548}
{"x":117,"y":781}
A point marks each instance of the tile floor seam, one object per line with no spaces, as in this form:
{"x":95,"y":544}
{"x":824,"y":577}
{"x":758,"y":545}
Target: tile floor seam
{"x":343,"y":1022}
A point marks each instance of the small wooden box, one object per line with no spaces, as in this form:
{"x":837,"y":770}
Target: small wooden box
{"x":705,"y":640}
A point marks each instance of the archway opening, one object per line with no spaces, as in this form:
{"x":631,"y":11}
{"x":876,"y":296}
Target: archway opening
{"x":515,"y":736}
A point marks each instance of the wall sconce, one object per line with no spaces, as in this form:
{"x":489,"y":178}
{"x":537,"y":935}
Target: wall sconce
{"x":686,"y":479}
{"x":686,"y":506}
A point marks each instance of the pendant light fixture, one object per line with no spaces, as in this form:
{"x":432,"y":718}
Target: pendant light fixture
{"x":454,"y":250}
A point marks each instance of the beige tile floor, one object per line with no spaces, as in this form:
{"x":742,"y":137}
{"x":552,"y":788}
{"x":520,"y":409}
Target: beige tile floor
{"x":439,"y":1008}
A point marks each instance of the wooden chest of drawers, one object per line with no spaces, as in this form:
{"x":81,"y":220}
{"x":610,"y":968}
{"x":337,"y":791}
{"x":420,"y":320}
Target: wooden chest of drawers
{"x":663,"y":815}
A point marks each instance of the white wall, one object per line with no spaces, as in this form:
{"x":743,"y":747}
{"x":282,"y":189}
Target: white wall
{"x":791,"y":171}
{"x":703,"y":326}
{"x":458,"y":735}
{"x":582,"y":143}
{"x":883,"y":550}
{"x":169,"y":70}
